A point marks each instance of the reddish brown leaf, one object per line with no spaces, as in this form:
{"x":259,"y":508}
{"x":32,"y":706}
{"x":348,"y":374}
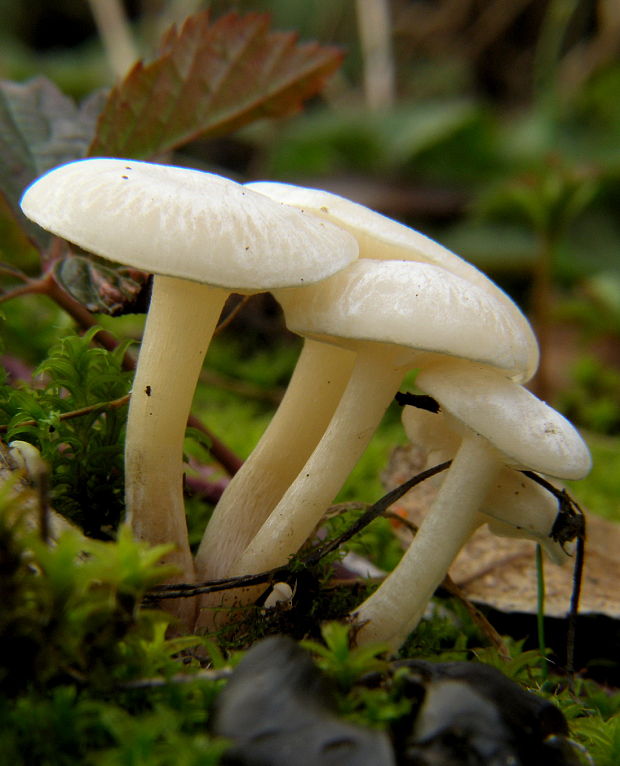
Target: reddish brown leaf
{"x":210,"y":78}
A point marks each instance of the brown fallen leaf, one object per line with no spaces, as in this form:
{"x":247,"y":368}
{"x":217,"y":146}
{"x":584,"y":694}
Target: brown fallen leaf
{"x":500,"y":572}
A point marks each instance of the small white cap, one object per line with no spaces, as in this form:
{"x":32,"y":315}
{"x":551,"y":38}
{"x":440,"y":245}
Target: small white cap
{"x":519,"y":507}
{"x":414,"y":305}
{"x":515,"y":505}
{"x":526,"y":431}
{"x":186,"y":223}
{"x":382,"y":238}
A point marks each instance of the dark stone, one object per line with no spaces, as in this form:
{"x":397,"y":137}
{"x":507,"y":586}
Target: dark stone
{"x":472,"y":715}
{"x":278,"y":711}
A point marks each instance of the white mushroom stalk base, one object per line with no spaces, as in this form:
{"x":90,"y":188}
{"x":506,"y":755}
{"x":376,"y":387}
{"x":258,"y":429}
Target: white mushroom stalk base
{"x":315,"y":388}
{"x":179,"y":327}
{"x":372,"y":385}
{"x":395,"y":608}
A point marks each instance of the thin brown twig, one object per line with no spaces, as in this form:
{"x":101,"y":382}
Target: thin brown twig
{"x":232,"y":314}
{"x":13,"y":271}
{"x":31,"y":286}
{"x":179,"y":678}
{"x":184,"y":590}
{"x":110,"y":405}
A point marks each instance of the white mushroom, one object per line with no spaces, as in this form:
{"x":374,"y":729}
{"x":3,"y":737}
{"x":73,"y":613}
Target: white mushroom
{"x":321,"y":376}
{"x":515,"y":506}
{"x":203,"y":236}
{"x":501,"y":423}
{"x":396,"y":315}
{"x":382,"y":238}
{"x":313,"y":392}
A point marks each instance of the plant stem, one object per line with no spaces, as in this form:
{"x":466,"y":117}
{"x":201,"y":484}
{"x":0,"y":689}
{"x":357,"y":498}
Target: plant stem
{"x":91,"y":408}
{"x":375,"y":33}
{"x":115,"y":34}
{"x":540,"y":612}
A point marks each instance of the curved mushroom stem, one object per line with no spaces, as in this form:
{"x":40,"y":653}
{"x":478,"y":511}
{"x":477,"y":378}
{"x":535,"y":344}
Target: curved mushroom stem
{"x":395,"y":608}
{"x":180,"y":323}
{"x":372,"y":385}
{"x":317,"y":383}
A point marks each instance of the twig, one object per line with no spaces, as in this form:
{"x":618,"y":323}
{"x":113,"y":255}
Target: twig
{"x":540,"y":612}
{"x":232,"y":314}
{"x":178,"y":678}
{"x":375,"y":510}
{"x":12,"y":271}
{"x":570,"y":524}
{"x":477,"y":617}
{"x":112,"y":404}
{"x":183,"y":590}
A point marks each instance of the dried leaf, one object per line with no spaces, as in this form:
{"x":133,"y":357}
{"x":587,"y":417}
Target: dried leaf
{"x":102,"y":289}
{"x":501,"y":573}
{"x":210,"y":78}
{"x":40,"y":128}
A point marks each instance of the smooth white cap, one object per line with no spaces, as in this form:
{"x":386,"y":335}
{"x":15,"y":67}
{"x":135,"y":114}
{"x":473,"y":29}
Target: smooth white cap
{"x":526,"y":431}
{"x":186,"y":223}
{"x":382,"y":238}
{"x":414,"y":305}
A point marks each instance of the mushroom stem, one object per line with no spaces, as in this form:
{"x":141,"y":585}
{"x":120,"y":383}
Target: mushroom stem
{"x":372,"y":385}
{"x":317,"y":383}
{"x":179,"y":326}
{"x":395,"y":608}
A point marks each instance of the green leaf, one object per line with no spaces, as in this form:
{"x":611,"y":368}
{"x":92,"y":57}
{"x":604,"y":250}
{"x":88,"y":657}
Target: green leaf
{"x":103,"y":290}
{"x":40,"y":128}
{"x":210,"y":78}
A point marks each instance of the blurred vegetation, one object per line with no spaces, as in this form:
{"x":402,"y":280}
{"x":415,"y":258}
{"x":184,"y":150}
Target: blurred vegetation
{"x":498,"y":136}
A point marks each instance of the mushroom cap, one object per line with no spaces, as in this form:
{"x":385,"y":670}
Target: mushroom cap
{"x":416,"y":306}
{"x":526,"y":431}
{"x":382,"y":238}
{"x":186,"y":223}
{"x":518,"y":507}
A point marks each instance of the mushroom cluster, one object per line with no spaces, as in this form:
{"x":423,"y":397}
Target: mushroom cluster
{"x":372,"y":299}
{"x":324,"y":367}
{"x":499,"y":423}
